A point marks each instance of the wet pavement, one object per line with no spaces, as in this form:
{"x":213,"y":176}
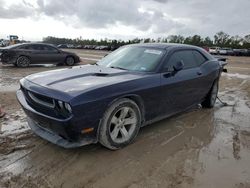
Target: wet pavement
{"x":199,"y":148}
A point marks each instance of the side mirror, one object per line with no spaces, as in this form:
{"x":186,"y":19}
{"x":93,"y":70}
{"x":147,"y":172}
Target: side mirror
{"x":179,"y":65}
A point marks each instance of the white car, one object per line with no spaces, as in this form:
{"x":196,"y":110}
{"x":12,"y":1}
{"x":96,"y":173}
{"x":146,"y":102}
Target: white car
{"x":214,"y":50}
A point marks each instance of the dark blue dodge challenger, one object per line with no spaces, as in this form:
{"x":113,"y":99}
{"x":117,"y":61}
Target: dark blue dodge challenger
{"x":109,"y":101}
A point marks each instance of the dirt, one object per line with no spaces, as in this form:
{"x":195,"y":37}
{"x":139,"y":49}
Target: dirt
{"x":198,"y":148}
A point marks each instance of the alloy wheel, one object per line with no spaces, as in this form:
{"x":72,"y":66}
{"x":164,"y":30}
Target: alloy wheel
{"x":123,"y":124}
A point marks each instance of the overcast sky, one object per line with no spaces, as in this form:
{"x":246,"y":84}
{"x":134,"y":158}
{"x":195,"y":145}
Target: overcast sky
{"x":122,"y":19}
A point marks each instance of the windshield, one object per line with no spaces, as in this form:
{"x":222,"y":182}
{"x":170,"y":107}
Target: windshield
{"x":133,"y":58}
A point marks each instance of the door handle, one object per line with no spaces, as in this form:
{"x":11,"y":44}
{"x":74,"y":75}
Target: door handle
{"x":199,"y":73}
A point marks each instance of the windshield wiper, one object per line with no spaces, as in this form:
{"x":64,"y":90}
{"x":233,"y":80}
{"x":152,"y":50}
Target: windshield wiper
{"x":114,"y":67}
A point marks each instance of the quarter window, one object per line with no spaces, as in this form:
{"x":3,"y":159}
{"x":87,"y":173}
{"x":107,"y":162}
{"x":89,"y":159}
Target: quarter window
{"x":200,"y":59}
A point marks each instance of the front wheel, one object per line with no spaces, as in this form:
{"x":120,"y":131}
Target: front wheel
{"x":120,"y":124}
{"x":69,"y":61}
{"x":211,"y":97}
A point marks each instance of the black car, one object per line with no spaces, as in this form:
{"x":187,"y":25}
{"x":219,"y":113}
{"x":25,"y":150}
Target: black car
{"x":240,"y":52}
{"x":62,"y":46}
{"x":22,"y":55}
{"x":108,"y":102}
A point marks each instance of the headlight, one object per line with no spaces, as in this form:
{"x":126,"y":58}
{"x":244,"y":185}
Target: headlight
{"x":63,"y":106}
{"x":68,"y":107}
{"x":60,"y":103}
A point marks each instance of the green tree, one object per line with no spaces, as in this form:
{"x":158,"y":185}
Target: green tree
{"x":175,"y":39}
{"x":194,"y":40}
{"x":208,"y":42}
{"x":246,"y":42}
{"x":221,"y":39}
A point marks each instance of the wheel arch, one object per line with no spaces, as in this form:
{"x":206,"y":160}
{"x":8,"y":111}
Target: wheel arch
{"x":22,"y":55}
{"x":135,"y":98}
{"x":139,"y":101}
{"x":69,"y":55}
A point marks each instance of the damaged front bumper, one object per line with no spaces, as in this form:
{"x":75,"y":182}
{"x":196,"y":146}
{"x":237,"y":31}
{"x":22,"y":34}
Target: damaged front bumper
{"x":57,"y":131}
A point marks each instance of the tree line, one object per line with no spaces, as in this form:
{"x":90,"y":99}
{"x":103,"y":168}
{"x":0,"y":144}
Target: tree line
{"x":220,"y":39}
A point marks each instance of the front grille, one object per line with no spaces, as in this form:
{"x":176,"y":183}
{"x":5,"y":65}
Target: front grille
{"x":43,"y":104}
{"x":42,"y":100}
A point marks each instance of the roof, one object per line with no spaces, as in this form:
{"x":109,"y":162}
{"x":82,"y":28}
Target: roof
{"x":37,"y":43}
{"x":164,"y":45}
{"x":174,"y":46}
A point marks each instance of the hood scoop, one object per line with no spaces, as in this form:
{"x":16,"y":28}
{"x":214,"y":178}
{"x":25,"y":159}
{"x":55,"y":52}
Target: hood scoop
{"x":100,"y":74}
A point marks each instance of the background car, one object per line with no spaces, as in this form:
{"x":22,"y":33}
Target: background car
{"x":108,"y":102}
{"x":214,"y":50}
{"x":226,"y":51}
{"x":240,"y":52}
{"x":22,"y":55}
{"x":62,"y":46}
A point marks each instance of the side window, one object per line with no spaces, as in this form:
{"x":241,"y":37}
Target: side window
{"x":186,"y":56}
{"x":200,"y":59}
{"x":173,"y":59}
{"x":48,"y":48}
{"x":39,"y":47}
{"x":33,"y":47}
{"x":29,"y":47}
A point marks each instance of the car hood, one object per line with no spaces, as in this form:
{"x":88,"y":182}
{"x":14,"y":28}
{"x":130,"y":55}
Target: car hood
{"x":80,"y":79}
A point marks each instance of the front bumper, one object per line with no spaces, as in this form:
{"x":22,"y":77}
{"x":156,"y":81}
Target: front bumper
{"x":57,"y":131}
{"x":54,"y":138}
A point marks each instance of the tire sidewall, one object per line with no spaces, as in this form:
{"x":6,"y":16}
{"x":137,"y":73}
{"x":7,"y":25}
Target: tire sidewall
{"x":105,"y":137}
{"x":20,"y":65}
{"x":69,"y":57}
{"x":216,"y":84}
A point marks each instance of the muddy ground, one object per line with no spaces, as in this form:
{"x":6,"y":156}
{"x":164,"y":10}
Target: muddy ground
{"x":199,"y":148}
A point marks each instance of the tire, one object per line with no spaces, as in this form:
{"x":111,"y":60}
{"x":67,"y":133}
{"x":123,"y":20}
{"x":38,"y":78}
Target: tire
{"x":120,"y":124}
{"x":22,"y":61}
{"x":211,"y":97}
{"x":69,"y":61}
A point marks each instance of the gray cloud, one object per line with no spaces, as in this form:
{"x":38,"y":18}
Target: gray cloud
{"x":207,"y":17}
{"x":158,"y":17}
{"x":20,"y":10}
{"x":102,"y":14}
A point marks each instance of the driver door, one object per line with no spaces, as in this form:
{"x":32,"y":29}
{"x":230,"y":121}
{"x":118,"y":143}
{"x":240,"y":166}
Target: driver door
{"x":179,"y":88}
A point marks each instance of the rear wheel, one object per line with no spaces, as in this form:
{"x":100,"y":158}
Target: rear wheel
{"x":70,"y":61}
{"x":211,"y":97}
{"x":120,"y":124}
{"x":22,"y":61}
